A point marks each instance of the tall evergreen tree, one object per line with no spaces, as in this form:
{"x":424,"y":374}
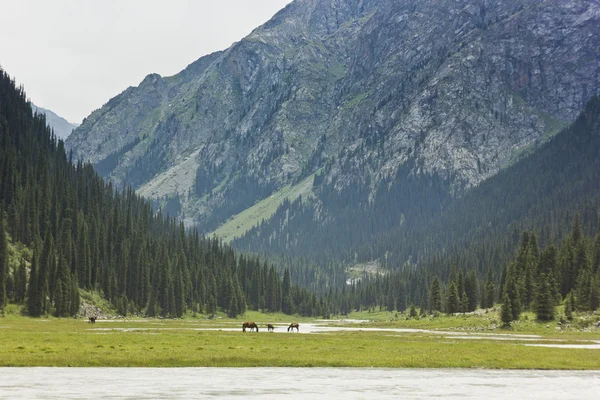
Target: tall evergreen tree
{"x":489,"y":297}
{"x":435,"y":295}
{"x":21,"y":282}
{"x":464,"y":302}
{"x":34,"y":300}
{"x":453,"y":299}
{"x":596,"y":258}
{"x":506,"y":313}
{"x":44,"y":271}
{"x":512,"y":291}
{"x":471,"y":291}
{"x":569,"y":307}
{"x":545,"y":303}
{"x":3,"y":263}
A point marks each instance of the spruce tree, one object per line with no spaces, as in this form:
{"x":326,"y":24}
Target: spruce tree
{"x":471,"y":291}
{"x":489,"y":293}
{"x":513,"y":293}
{"x":241,"y":304}
{"x":584,"y":290}
{"x":435,"y":295}
{"x":549,"y":260}
{"x":544,"y":302}
{"x":506,"y":313}
{"x":74,"y":297}
{"x":211,"y":307}
{"x":464,"y":302}
{"x":391,"y":301}
{"x":460,"y":287}
{"x":568,"y":308}
{"x":596,"y":256}
{"x":233,"y":305}
{"x":401,"y":298}
{"x":3,"y":263}
{"x":62,"y":297}
{"x":413,"y":311}
{"x":45,"y":266}
{"x":453,"y":299}
{"x":34,"y":301}
{"x":21,"y":282}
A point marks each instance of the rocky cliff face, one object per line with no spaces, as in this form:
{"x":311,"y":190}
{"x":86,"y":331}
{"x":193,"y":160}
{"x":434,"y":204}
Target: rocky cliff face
{"x":355,"y":88}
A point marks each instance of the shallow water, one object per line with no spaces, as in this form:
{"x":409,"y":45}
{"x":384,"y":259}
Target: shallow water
{"x":294,"y":383}
{"x":323,"y":327}
{"x":317,"y":328}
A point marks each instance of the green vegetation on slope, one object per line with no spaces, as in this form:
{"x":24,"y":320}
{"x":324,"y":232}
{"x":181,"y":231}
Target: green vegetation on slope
{"x":239,"y":224}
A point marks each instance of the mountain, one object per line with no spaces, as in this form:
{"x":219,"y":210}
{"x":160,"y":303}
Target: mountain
{"x":62,"y":127}
{"x":537,"y":220}
{"x":365,"y":111}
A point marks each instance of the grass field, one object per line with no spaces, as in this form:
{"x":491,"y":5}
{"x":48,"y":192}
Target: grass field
{"x":219,"y":343}
{"x":582,"y":325}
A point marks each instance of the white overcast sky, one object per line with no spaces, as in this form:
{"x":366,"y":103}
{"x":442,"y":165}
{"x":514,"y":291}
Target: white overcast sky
{"x":72,"y":56}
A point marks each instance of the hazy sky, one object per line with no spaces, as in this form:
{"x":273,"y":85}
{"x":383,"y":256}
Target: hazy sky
{"x":72,"y":56}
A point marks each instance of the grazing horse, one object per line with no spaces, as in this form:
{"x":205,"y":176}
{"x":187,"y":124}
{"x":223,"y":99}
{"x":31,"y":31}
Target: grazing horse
{"x":294,"y":325}
{"x":251,"y":325}
{"x":92,"y":320}
{"x":270,"y":327}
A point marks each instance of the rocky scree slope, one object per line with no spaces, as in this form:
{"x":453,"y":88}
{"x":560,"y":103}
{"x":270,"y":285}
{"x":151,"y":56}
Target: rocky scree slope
{"x":358,"y":90}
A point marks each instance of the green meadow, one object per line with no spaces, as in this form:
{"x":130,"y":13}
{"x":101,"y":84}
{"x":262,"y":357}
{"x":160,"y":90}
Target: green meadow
{"x":198,"y":342}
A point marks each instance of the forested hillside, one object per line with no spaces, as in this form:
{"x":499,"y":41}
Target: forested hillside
{"x":82,"y":234}
{"x":534,"y":279}
{"x":541,"y":191}
{"x":478,"y":232}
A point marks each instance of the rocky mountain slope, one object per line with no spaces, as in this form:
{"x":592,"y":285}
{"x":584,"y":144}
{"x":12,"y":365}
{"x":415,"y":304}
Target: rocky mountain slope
{"x":358,"y":91}
{"x":62,"y":127}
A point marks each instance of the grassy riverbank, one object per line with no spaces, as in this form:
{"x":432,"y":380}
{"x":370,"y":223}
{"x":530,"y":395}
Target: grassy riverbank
{"x":210,"y":343}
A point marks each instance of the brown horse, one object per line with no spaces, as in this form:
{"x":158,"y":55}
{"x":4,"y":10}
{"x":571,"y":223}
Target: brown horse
{"x":270,"y":327}
{"x":92,"y":320}
{"x":294,"y":325}
{"x":251,"y":325}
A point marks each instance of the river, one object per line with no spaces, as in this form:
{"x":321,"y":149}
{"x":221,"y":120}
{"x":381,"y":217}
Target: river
{"x":294,"y":383}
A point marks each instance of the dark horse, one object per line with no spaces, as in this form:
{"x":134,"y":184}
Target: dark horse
{"x":270,"y":327}
{"x":92,"y":320}
{"x":251,"y":325}
{"x":294,"y":325}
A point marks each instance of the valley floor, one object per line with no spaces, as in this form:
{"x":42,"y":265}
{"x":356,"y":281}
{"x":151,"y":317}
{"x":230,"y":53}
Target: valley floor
{"x":388,"y":340}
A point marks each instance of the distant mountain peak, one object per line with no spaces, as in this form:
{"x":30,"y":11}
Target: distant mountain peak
{"x":62,"y":127}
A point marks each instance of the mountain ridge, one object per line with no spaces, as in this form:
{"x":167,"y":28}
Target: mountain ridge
{"x":357,"y":88}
